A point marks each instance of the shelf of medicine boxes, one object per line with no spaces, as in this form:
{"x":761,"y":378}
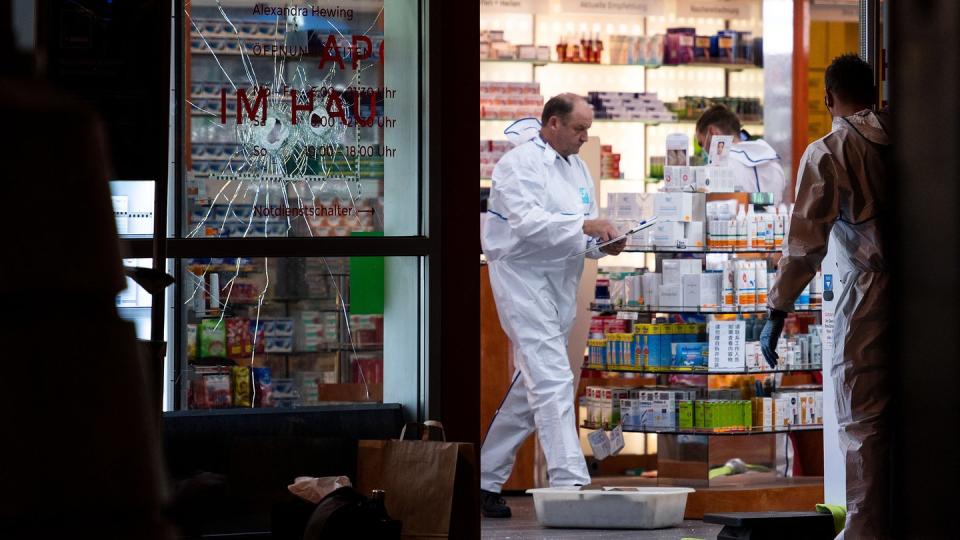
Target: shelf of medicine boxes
{"x":488,"y":183}
{"x":332,"y":348}
{"x":729,"y":66}
{"x":681,"y":309}
{"x":635,"y":249}
{"x":600,"y":120}
{"x":717,"y":431}
{"x":674,"y":370}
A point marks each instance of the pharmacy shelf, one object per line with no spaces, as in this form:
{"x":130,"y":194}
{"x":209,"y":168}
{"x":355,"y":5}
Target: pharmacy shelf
{"x":330,"y":349}
{"x":718,"y":431}
{"x":598,"y":120}
{"x":680,"y":309}
{"x":634,"y":249}
{"x":729,"y":66}
{"x":695,"y":371}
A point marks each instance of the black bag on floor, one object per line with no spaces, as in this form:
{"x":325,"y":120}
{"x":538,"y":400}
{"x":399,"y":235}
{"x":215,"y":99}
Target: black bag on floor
{"x":345,"y":513}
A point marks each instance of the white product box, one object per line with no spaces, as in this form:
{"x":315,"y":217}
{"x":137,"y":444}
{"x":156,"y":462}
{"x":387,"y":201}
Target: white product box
{"x":691,"y":290}
{"x":746,"y":284}
{"x":810,"y":404}
{"x":526,"y":52}
{"x":629,"y":413}
{"x":782,"y":416}
{"x":674,"y":269}
{"x":755,"y":359}
{"x":727,"y":345}
{"x":701,"y":290}
{"x":671,"y":295}
{"x":622,"y":206}
{"x":678,"y":147}
{"x":713,"y":179}
{"x":684,"y":179}
{"x":633,"y":285}
{"x":664,"y":412}
{"x":543,"y":53}
{"x":693,"y":234}
{"x":666,"y":234}
{"x":765,"y":413}
{"x":818,"y":405}
{"x":762,"y":288}
{"x":651,"y":288}
{"x":679,"y":206}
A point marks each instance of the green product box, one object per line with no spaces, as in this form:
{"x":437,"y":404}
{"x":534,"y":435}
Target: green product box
{"x":699,"y":414}
{"x":710,"y":414}
{"x":747,"y":414}
{"x":212,"y":338}
{"x":685,"y":414}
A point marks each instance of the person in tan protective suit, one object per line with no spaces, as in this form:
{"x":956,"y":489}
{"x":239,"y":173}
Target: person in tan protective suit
{"x":841,"y":190}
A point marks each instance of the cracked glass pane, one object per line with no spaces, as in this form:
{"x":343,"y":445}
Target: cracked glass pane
{"x":282,"y":332}
{"x":287,"y":114}
{"x":293,"y":123}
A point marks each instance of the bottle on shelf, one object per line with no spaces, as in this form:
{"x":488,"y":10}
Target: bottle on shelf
{"x":741,"y":242}
{"x":584,"y":48}
{"x":597,"y":49}
{"x":574,"y":52}
{"x":562,"y":49}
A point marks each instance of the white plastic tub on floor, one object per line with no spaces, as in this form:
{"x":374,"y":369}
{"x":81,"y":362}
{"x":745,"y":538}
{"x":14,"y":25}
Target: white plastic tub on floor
{"x":611,"y":507}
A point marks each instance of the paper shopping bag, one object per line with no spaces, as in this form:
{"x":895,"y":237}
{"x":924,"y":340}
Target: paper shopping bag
{"x":431,"y":486}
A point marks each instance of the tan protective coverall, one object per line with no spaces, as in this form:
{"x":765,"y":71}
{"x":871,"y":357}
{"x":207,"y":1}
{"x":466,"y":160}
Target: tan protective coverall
{"x":840,"y":190}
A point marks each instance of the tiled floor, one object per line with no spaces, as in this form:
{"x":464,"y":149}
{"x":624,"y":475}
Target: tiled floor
{"x":523,"y":525}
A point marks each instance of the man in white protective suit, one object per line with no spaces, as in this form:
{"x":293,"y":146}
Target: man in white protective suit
{"x":842,"y":191}
{"x":542,"y":216}
{"x":756,"y":165}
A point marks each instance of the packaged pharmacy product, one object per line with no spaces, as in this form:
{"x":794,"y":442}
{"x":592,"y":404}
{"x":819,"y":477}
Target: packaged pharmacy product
{"x":212,"y":338}
{"x":242,"y":388}
{"x":262,"y":386}
{"x":191,"y":341}
{"x":729,"y":283}
{"x":746,"y":285}
{"x":217,"y":387}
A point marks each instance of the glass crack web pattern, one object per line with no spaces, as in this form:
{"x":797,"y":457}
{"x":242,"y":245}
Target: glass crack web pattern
{"x":281,"y":104}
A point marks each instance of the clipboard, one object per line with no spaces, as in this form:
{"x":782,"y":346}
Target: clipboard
{"x":639,"y":227}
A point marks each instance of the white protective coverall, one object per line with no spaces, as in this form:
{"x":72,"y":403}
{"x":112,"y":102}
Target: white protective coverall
{"x":537,"y":207}
{"x":757,"y":168}
{"x":841,"y":191}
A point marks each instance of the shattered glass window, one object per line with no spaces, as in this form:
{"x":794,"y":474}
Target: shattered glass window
{"x":296,"y":126}
{"x":288,"y":111}
{"x":283,"y":332}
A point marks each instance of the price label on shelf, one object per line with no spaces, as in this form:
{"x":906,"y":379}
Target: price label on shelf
{"x":507,"y":6}
{"x":628,"y":315}
{"x":611,"y":7}
{"x":718,"y":9}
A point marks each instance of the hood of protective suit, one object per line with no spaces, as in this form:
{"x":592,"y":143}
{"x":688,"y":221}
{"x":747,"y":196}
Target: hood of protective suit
{"x":751,"y":153}
{"x":867,"y":123}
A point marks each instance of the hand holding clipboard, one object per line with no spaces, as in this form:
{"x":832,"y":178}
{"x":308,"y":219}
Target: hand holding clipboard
{"x":639,"y":227}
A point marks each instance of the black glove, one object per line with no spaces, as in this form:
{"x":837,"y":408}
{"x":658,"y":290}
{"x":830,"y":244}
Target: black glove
{"x":771,"y":335}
